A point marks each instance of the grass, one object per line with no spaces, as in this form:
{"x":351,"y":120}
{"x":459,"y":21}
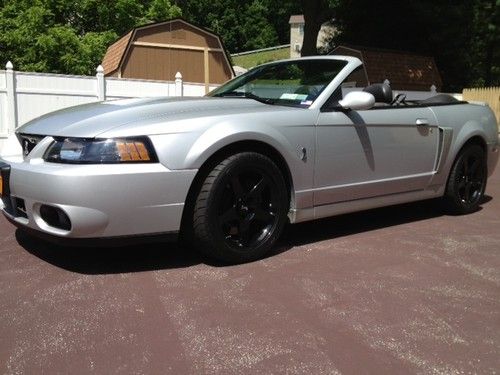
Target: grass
{"x":254,"y":59}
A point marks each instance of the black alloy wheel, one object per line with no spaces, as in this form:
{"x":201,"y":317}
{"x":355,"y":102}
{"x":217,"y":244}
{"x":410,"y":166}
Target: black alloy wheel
{"x":248,"y":208}
{"x":467,"y":181}
{"x":241,"y":208}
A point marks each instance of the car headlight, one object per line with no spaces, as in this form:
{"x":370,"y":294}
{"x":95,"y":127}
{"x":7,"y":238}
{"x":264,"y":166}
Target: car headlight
{"x":100,"y":151}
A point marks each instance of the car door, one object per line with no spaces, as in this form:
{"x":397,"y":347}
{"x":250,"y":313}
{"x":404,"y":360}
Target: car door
{"x":375,"y":152}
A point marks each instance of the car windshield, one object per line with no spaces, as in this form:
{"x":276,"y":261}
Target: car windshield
{"x":294,"y":83}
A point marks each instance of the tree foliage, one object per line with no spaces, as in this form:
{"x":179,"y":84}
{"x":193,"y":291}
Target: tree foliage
{"x":462,"y":36}
{"x":71,"y":36}
{"x":243,"y":25}
{"x":485,"y":43}
{"x":160,"y":10}
{"x":63,"y":36}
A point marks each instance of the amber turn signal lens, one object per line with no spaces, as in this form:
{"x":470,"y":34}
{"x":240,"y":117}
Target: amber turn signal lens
{"x":1,"y":186}
{"x":132,"y":151}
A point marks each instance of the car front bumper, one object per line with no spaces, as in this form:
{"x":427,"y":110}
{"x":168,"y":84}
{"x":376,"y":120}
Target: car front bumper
{"x":100,"y":201}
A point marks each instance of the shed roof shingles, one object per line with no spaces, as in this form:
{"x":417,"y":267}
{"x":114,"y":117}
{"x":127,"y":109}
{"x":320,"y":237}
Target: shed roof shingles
{"x":111,"y":61}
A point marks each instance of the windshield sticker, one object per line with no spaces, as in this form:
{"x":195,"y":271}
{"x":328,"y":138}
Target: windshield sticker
{"x":306,"y":102}
{"x":289,"y":96}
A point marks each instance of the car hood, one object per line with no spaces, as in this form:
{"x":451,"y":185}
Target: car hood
{"x":90,"y":120}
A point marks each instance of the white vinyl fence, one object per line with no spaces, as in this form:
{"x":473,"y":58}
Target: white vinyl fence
{"x":25,"y":96}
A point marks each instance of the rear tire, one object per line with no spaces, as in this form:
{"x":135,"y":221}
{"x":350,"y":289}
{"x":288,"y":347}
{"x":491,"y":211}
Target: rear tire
{"x":467,"y":181}
{"x":241,"y":208}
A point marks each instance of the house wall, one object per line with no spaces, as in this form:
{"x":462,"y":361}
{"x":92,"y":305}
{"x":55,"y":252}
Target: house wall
{"x":296,"y":39}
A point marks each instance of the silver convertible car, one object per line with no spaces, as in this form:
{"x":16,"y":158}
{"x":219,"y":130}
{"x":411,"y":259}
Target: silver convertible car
{"x":285,"y":142}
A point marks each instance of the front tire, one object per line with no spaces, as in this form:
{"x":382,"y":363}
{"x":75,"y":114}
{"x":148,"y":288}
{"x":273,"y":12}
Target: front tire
{"x":467,"y":181}
{"x":241,"y":208}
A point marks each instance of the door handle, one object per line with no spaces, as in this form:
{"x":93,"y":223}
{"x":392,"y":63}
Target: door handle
{"x":422,"y":122}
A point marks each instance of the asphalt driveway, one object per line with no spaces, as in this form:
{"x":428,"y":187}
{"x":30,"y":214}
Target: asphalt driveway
{"x":398,"y":290}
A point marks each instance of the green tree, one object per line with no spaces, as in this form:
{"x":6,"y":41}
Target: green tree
{"x":71,"y":36}
{"x":462,"y":35}
{"x":485,"y":43}
{"x":63,"y":36}
{"x":242,"y":25}
{"x":57,"y":50}
{"x":21,"y":23}
{"x":257,"y":30}
{"x":278,"y":16}
{"x":220,"y":16}
{"x":161,"y":10}
{"x":94,"y":46}
{"x":83,"y":29}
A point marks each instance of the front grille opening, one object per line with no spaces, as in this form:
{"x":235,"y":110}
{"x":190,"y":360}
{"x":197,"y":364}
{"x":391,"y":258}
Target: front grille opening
{"x":29,"y":142}
{"x":20,"y":208}
{"x":55,"y":217}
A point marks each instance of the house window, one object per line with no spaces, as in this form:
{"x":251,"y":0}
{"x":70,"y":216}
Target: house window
{"x":301,"y":29}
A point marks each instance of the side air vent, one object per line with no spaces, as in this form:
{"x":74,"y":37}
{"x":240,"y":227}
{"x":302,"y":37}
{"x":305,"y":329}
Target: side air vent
{"x":445,"y":137}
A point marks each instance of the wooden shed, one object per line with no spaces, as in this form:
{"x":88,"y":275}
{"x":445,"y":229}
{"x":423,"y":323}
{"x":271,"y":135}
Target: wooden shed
{"x":158,"y":51}
{"x":404,"y":70}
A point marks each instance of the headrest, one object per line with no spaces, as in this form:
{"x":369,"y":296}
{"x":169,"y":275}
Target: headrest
{"x":381,"y":91}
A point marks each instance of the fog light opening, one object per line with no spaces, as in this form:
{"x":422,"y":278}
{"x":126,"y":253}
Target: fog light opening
{"x":20,"y":208}
{"x":55,"y":217}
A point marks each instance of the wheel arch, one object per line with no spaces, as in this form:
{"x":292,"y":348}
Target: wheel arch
{"x":226,"y":151}
{"x":471,"y":132}
{"x":457,"y":203}
{"x":473,"y":139}
{"x":476,"y":139}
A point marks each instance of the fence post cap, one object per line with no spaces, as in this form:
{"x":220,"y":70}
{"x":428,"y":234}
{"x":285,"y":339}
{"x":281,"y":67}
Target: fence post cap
{"x":9,"y":65}
{"x":178,"y":75}
{"x":100,"y":69}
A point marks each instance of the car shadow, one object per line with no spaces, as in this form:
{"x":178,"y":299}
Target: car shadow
{"x":112,"y":260}
{"x":171,"y":255}
{"x":362,"y":221}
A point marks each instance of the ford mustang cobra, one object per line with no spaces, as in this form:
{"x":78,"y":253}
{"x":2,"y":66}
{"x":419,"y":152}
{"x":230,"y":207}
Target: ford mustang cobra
{"x":287,"y":141}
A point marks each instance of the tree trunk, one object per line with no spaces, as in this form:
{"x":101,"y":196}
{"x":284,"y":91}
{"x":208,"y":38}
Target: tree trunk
{"x":316,"y":12}
{"x":311,"y":31}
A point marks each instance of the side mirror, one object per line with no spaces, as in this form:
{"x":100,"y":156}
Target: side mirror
{"x":357,"y":100}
